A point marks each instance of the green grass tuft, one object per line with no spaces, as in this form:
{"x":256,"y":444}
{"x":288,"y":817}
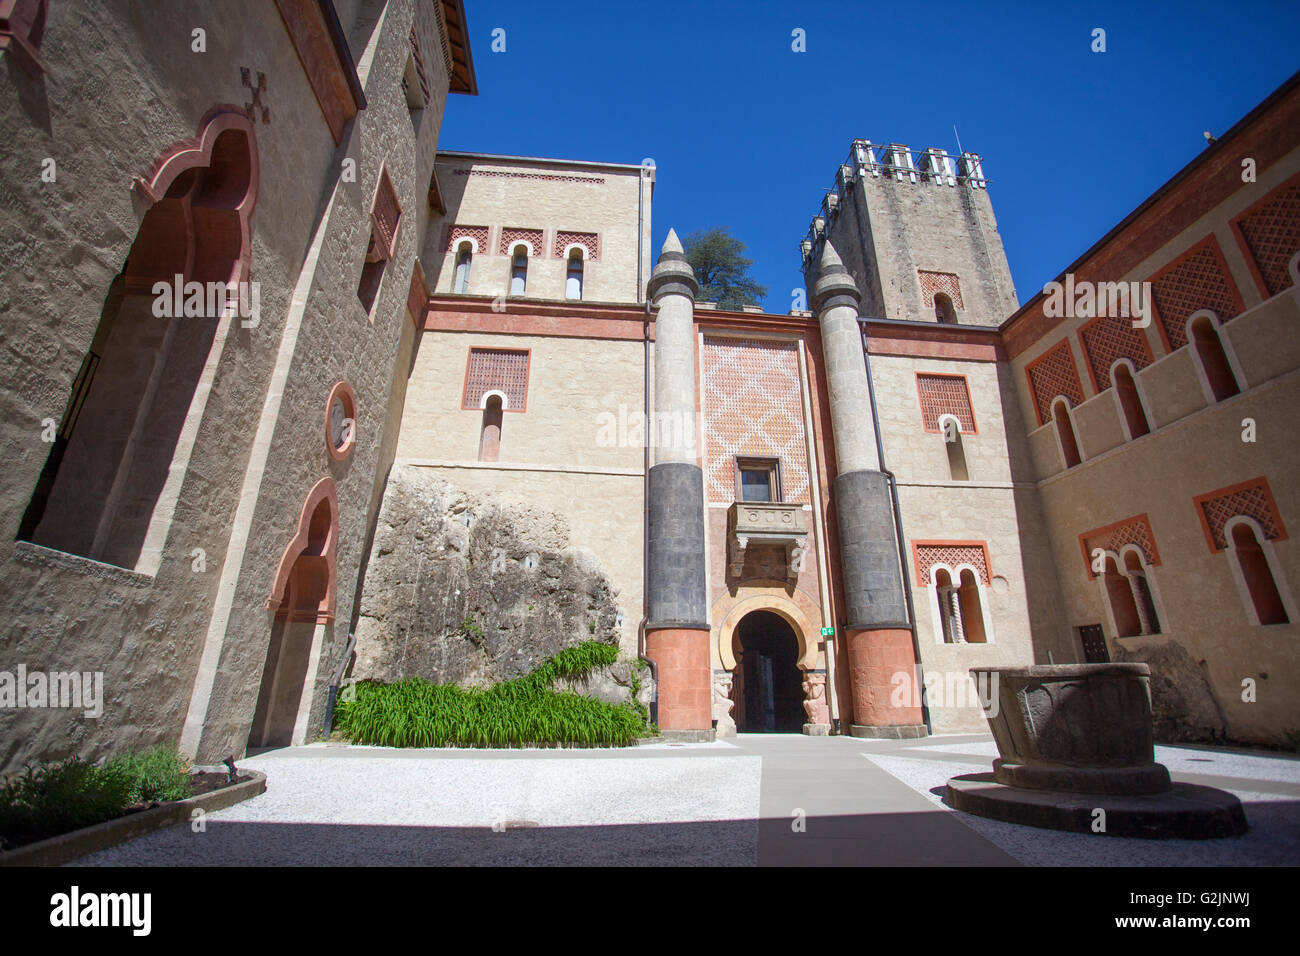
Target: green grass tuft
{"x":523,"y":712}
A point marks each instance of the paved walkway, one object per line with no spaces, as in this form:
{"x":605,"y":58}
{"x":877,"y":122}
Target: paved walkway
{"x":756,"y":799}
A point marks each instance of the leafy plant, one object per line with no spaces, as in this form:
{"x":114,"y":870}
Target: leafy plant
{"x":157,"y":774}
{"x":60,"y":797}
{"x":522,"y":712}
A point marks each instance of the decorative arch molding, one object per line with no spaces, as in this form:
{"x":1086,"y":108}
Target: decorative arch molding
{"x":208,"y":216}
{"x":316,"y":542}
{"x":795,"y":607}
{"x":1114,"y":537}
{"x":1216,"y":383}
{"x":1252,"y":499}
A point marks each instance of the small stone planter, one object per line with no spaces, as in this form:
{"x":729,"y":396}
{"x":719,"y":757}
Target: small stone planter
{"x":1084,"y":728}
{"x":60,"y":849}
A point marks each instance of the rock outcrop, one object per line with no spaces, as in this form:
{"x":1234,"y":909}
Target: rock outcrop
{"x":469,"y":590}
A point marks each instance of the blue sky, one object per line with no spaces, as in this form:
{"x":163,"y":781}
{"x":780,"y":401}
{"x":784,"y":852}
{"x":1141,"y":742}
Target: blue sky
{"x":747,"y":134}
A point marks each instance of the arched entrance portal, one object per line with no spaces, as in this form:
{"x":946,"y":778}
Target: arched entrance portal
{"x":768,"y":686}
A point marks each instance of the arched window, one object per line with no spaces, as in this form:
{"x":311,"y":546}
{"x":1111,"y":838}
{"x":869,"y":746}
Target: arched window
{"x":972,"y":610}
{"x":943,"y":310}
{"x":519,"y":270}
{"x":1203,"y":333}
{"x":489,"y":448}
{"x":950,"y":622}
{"x":1130,"y":402}
{"x":1256,"y":573}
{"x":1119,"y":595}
{"x":1143,"y":599}
{"x":1065,"y":432}
{"x":573,"y":280}
{"x":960,"y":606}
{"x":464,"y":256}
{"x":950,"y":428}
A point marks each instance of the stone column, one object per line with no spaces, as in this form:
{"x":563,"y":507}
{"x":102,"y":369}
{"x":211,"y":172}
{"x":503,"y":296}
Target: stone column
{"x":879,"y":638}
{"x":677,"y":629}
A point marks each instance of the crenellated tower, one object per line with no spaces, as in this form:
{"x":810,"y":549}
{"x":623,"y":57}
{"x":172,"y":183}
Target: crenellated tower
{"x":916,"y":231}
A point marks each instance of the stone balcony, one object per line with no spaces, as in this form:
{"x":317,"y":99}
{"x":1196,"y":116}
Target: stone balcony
{"x":765,"y":522}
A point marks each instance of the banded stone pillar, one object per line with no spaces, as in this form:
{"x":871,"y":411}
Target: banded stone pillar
{"x":677,"y":629}
{"x":877,"y":629}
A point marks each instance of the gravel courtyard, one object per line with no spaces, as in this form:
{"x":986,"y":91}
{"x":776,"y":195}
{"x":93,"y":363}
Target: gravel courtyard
{"x":753,"y":800}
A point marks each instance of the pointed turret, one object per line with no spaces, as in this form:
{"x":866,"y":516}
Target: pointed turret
{"x":673,"y":272}
{"x":834,"y":285}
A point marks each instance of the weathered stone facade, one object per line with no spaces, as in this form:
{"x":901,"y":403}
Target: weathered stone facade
{"x":468,"y":336}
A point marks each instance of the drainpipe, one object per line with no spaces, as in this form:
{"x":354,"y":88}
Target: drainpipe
{"x":898,"y":532}
{"x":335,"y":681}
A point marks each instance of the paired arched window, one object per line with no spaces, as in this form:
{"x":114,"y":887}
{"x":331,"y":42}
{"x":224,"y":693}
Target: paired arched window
{"x":1203,"y":332}
{"x":1119,"y":595}
{"x":519,"y":270}
{"x":950,"y":429}
{"x":464,"y":256}
{"x":489,"y":447}
{"x":1256,"y":571}
{"x":1069,"y":444}
{"x":573,"y":276}
{"x":961,"y":607}
{"x":943,"y":309}
{"x":1130,"y":402}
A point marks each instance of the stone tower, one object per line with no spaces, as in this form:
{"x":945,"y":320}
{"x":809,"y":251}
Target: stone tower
{"x":916,"y":231}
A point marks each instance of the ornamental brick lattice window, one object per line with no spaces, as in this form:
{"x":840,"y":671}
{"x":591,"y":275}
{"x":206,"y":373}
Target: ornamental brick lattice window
{"x":1270,"y":231}
{"x":753,"y":402}
{"x":935,"y":282}
{"x":1109,"y":338}
{"x":589,"y":241}
{"x":1051,"y":374}
{"x":417,"y":59}
{"x":497,"y":370}
{"x":1197,"y":280}
{"x":511,"y":237}
{"x":1252,"y":498}
{"x":1135,"y":530}
{"x":478,"y":233}
{"x":952,"y":553}
{"x":944,"y":395}
{"x":385,"y":215}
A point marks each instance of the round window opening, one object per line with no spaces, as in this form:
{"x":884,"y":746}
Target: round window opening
{"x":341,"y":421}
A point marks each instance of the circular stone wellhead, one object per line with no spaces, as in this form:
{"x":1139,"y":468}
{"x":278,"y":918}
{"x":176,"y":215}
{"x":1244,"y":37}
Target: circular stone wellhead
{"x":1077,"y":750}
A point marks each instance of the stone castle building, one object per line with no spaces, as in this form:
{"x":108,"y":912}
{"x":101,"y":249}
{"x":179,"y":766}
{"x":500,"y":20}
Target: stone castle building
{"x":291,"y":394}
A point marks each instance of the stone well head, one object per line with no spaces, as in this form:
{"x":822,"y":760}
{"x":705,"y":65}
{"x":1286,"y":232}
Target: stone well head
{"x":1074,"y":727}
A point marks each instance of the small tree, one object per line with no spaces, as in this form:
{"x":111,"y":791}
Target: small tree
{"x":722,"y":270}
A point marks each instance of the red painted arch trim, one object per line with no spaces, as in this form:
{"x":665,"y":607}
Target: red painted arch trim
{"x":323,"y":490}
{"x":197,"y":152}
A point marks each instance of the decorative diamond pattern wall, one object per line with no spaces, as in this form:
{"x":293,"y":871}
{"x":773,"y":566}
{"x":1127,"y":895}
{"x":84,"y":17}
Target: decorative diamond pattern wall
{"x":944,"y":395}
{"x":1197,"y":281}
{"x":1254,"y":500}
{"x":478,"y":233}
{"x":1135,"y":530}
{"x":1272,"y":233}
{"x":754,"y":407}
{"x":531,"y":236}
{"x":928,"y":555}
{"x":945,"y":282}
{"x":503,"y":370}
{"x":589,"y":241}
{"x":1107,"y":339}
{"x":1051,"y":374}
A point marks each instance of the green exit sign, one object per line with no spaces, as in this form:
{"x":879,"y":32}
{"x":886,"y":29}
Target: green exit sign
{"x":828,"y":632}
